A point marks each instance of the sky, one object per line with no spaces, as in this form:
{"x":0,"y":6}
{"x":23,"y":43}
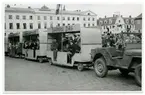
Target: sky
{"x":101,"y":10}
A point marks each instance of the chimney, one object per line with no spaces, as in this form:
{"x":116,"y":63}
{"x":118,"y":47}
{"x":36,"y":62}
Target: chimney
{"x":29,"y":7}
{"x":8,"y":6}
{"x":63,"y":8}
{"x":113,"y":15}
{"x":130,"y":16}
{"x":105,"y":16}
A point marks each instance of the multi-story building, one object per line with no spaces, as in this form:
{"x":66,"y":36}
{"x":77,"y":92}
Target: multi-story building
{"x":26,"y":19}
{"x":138,"y":23}
{"x":116,"y":24}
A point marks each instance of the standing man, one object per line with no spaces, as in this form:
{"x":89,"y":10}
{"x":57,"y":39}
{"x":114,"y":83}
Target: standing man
{"x":54,"y":48}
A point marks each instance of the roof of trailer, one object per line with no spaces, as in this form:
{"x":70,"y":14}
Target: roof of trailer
{"x":13,"y":34}
{"x":33,"y":32}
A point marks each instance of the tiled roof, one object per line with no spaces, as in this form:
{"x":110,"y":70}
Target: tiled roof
{"x":129,"y":20}
{"x":139,"y":17}
{"x":13,"y":9}
{"x":107,"y":21}
{"x":44,"y":9}
{"x":112,"y":20}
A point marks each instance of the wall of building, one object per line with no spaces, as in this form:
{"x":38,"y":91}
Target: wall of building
{"x":138,"y":25}
{"x":48,"y":19}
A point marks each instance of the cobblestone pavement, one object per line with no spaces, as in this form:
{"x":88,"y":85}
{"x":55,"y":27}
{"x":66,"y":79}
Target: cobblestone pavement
{"x":23,"y":75}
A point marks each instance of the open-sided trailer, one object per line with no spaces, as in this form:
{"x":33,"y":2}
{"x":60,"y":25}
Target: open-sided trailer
{"x":88,"y":41}
{"x":39,"y":36}
{"x":14,"y":44}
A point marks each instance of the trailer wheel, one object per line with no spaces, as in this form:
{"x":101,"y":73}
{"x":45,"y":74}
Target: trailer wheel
{"x":40,"y":60}
{"x":124,"y":71}
{"x":100,"y":67}
{"x":138,"y":74}
{"x":80,"y":66}
{"x":50,"y":61}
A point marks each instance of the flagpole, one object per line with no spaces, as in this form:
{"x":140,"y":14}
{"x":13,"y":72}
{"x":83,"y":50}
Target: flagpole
{"x":62,"y":26}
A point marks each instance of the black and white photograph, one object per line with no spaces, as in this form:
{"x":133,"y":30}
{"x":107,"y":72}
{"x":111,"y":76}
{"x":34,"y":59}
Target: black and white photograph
{"x":72,"y":47}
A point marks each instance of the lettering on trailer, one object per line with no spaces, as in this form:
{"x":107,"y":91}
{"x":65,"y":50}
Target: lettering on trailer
{"x":69,"y":28}
{"x":72,"y":28}
{"x":58,"y":29}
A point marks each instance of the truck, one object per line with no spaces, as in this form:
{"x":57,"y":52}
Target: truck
{"x":128,"y":59}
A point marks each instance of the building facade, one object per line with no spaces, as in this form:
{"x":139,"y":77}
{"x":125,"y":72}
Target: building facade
{"x":116,"y":24}
{"x":138,"y":23}
{"x":27,"y":19}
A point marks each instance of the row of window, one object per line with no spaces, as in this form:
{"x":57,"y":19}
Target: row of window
{"x":11,"y":26}
{"x":18,"y":17}
{"x":24,"y":25}
{"x":110,"y":21}
{"x":121,"y":26}
{"x":51,"y":18}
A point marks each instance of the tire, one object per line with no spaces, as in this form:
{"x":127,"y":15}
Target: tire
{"x":138,"y":74}
{"x":50,"y":61}
{"x":124,"y":71}
{"x":100,"y":67}
{"x":40,"y":60}
{"x":80,"y":67}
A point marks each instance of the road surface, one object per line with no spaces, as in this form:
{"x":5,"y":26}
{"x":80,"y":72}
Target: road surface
{"x":24,"y":75}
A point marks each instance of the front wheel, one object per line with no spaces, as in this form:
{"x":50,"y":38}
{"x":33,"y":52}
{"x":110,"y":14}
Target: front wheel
{"x":100,"y":67}
{"x":138,"y":74}
{"x":50,"y":61}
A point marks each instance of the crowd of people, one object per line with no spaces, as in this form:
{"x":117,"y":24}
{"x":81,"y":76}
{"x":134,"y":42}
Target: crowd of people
{"x":70,"y":43}
{"x":32,"y":44}
{"x":14,"y":49}
{"x":118,"y":40}
{"x":112,"y":40}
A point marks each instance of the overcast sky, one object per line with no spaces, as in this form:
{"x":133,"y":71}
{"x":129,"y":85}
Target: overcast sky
{"x":100,"y":9}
